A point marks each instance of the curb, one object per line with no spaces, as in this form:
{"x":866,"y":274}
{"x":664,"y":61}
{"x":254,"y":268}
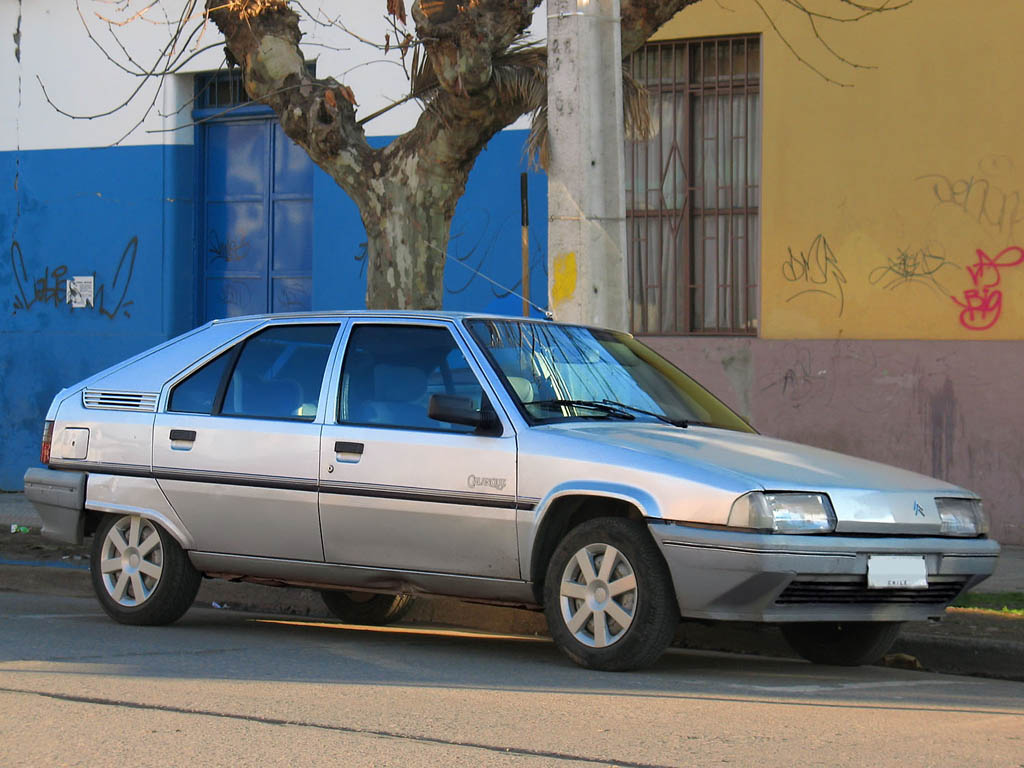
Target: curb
{"x":958,"y":645}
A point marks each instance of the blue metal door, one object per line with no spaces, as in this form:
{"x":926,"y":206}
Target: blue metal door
{"x":255,"y":219}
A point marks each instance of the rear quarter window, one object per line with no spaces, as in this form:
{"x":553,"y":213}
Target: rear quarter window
{"x":197,"y":393}
{"x":274,"y":374}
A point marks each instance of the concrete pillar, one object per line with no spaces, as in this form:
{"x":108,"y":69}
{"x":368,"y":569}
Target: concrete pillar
{"x":586,"y":186}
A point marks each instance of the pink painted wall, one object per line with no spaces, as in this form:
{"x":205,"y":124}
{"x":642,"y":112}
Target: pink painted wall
{"x":949,"y":409}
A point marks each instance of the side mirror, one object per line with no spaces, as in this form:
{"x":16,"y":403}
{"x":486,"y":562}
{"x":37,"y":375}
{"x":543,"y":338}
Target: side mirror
{"x":453,"y":409}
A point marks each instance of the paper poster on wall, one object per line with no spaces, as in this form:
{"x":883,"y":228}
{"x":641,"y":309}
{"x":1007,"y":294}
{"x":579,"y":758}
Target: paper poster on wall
{"x":80,"y":291}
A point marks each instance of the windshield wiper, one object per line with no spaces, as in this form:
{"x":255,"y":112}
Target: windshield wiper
{"x":660,"y":416}
{"x":607,"y":408}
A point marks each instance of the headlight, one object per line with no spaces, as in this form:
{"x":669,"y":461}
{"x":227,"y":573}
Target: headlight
{"x":962,"y":517}
{"x":783,"y":512}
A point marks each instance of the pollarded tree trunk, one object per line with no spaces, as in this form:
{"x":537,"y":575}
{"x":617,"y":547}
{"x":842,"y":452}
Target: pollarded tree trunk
{"x":407,"y":191}
{"x":476,"y":82}
{"x":407,"y":228}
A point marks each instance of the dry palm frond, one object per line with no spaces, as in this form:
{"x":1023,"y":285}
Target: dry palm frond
{"x":248,"y":9}
{"x":520,"y":76}
{"x":537,"y":142}
{"x":638,"y":122}
{"x":422,"y":78}
{"x":636,"y":109}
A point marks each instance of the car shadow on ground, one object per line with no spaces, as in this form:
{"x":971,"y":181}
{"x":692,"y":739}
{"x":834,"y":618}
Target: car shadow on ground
{"x":233,"y":646}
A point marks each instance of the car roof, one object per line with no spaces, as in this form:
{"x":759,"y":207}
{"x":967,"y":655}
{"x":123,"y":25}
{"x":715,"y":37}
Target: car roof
{"x":418,"y":314}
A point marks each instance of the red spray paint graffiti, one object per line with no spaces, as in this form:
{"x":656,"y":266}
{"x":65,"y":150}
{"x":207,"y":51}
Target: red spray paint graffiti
{"x":983,"y":304}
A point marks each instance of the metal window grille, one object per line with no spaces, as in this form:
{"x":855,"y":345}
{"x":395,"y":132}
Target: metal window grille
{"x":221,"y":89}
{"x":693,"y":191}
{"x":224,"y":88}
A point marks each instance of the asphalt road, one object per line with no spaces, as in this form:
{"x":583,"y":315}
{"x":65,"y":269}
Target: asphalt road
{"x":227,"y":688}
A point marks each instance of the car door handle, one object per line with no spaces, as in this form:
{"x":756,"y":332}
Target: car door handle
{"x":342,"y":447}
{"x":188,"y":435}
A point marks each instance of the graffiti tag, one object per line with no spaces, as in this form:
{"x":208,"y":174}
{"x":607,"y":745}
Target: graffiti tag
{"x":50,"y":287}
{"x":981,"y":200}
{"x":228,"y":250}
{"x":920,"y":266}
{"x":818,"y":268}
{"x":982,"y":305}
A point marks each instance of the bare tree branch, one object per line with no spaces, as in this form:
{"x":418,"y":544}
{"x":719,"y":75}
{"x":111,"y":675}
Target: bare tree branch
{"x":862,"y":11}
{"x":468,"y":66}
{"x":642,"y":18}
{"x":319,"y":115}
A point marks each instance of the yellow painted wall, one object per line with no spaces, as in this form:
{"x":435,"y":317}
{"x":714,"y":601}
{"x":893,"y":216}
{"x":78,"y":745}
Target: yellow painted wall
{"x":892,"y":208}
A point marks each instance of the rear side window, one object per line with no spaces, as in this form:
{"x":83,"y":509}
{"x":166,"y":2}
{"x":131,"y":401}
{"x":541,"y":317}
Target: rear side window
{"x":275,"y":374}
{"x":279,"y":373}
{"x":198,"y":393}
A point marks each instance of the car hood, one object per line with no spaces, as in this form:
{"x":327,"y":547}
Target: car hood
{"x":867,"y":496}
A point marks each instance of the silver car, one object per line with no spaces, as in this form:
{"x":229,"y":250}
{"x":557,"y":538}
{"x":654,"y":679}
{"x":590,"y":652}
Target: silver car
{"x":376,"y":456}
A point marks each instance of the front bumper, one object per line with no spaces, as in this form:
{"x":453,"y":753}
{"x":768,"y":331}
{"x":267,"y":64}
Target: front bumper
{"x":734,"y":575}
{"x":59,"y":498}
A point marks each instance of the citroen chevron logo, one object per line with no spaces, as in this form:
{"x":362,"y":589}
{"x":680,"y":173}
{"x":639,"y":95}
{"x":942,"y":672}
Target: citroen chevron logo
{"x":918,"y":509}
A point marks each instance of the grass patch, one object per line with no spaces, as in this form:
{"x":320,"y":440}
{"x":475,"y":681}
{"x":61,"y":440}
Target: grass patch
{"x":1002,"y":602}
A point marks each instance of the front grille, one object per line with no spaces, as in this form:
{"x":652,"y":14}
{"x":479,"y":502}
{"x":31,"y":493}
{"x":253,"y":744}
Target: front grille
{"x":856,"y":592}
{"x":120,"y":401}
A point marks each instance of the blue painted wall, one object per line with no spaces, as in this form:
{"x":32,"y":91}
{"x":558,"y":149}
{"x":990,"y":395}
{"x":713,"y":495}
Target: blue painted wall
{"x":126,"y":216}
{"x":486,"y":235}
{"x":111,"y":213}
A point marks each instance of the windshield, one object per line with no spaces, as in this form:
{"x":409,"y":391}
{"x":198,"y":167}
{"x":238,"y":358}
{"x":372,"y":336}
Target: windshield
{"x":560,"y":372}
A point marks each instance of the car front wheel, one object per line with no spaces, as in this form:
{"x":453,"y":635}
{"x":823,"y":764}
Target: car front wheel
{"x":608,"y":596}
{"x":139,"y":572}
{"x":366,"y":607}
{"x":842,"y":644}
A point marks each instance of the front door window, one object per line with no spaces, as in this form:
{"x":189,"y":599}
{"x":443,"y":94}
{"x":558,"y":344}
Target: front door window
{"x":391,"y":372}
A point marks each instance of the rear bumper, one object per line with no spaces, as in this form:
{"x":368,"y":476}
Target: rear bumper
{"x":759,"y":577}
{"x":59,"y":498}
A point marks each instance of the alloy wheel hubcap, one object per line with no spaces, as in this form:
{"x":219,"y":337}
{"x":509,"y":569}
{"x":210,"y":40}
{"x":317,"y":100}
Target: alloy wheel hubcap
{"x":598,"y":595}
{"x":131,"y":560}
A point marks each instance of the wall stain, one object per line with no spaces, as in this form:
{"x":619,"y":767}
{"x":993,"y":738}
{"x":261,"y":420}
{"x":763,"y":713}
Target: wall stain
{"x":17,"y":35}
{"x":739,"y":370}
{"x":942,"y":424}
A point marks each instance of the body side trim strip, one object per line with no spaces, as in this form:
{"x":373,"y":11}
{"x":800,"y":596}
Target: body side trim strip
{"x":866,"y":550}
{"x":329,"y":564}
{"x":128,"y":470}
{"x":422,"y":494}
{"x":303,"y":484}
{"x":755,"y":551}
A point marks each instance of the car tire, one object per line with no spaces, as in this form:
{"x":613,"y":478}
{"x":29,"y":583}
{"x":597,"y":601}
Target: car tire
{"x":614,"y":616}
{"x":841,"y":644}
{"x":140,"y":574}
{"x":366,"y":607}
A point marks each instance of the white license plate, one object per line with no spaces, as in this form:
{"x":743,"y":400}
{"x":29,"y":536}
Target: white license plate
{"x":897,"y":572}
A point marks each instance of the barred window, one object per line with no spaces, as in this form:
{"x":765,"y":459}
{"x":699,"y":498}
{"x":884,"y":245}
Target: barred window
{"x":219,"y":89}
{"x":693,"y":191}
{"x":225,"y":88}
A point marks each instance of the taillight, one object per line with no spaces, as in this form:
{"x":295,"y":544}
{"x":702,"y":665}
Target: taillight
{"x":44,"y":452}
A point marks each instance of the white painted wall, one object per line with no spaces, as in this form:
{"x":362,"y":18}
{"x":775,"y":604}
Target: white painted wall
{"x":9,"y":85}
{"x":56,"y":53}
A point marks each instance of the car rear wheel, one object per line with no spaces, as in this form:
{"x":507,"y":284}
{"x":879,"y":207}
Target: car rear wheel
{"x":842,"y":644}
{"x":366,"y":607}
{"x":608,"y":596}
{"x":139,"y":572}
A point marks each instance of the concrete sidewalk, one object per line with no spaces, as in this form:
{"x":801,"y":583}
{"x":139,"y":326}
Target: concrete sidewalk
{"x":1009,"y":575}
{"x":16,"y":510}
